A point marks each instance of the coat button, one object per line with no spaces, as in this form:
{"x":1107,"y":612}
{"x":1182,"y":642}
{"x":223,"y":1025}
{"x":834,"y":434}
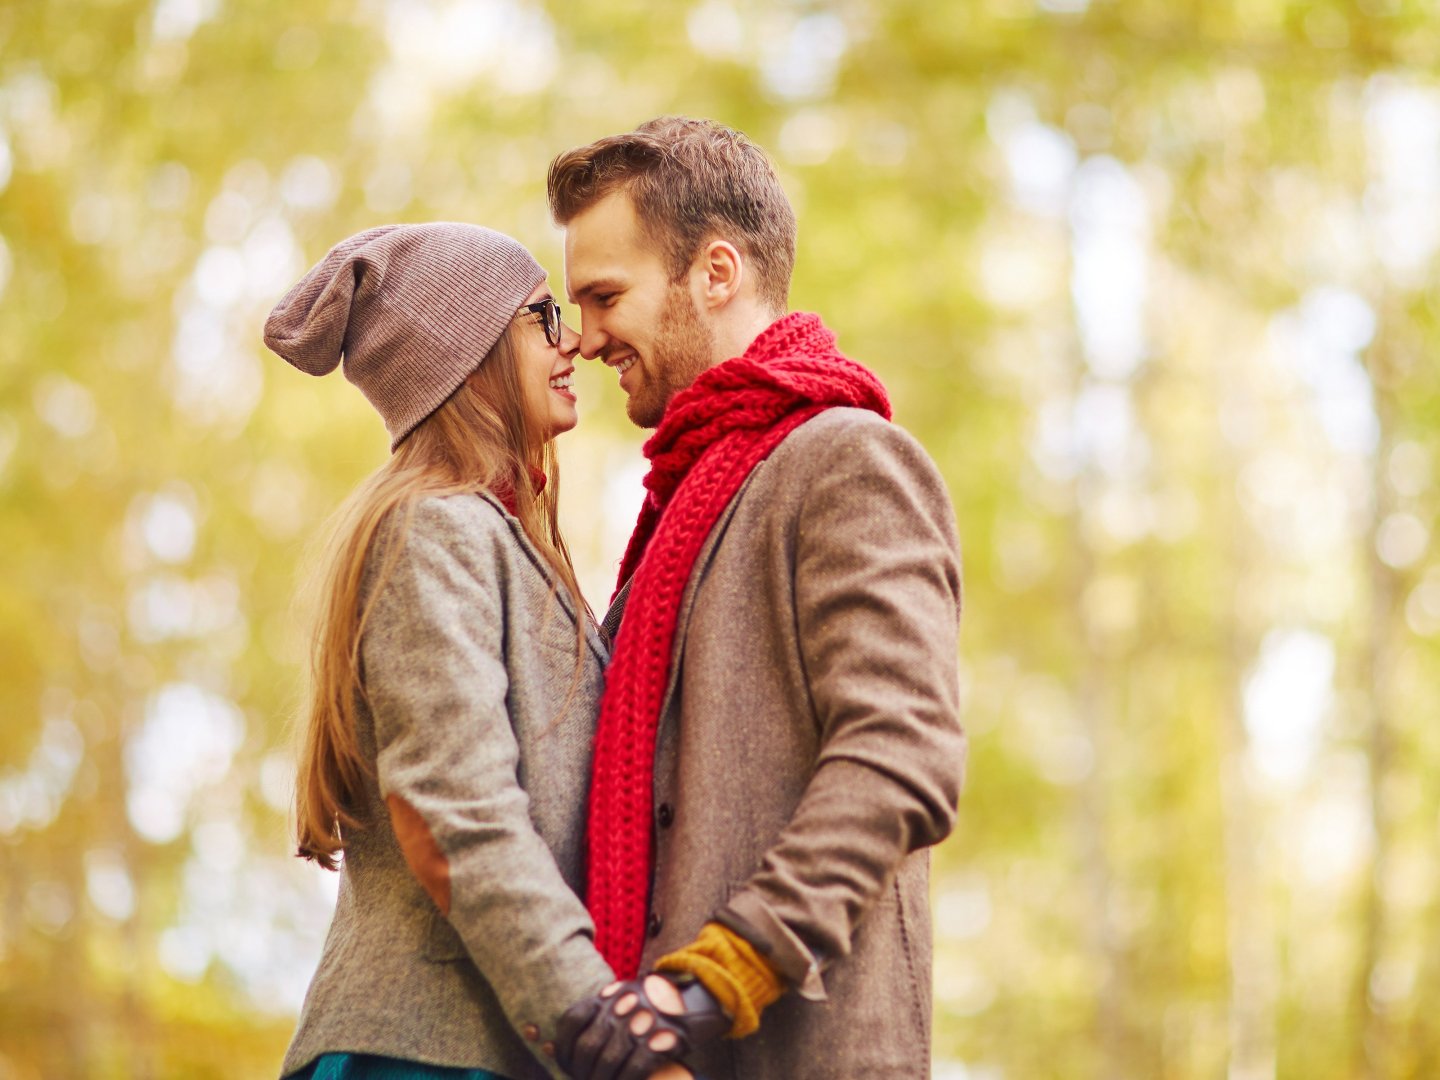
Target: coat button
{"x":531,"y":1032}
{"x":665,"y":815}
{"x":657,"y":923}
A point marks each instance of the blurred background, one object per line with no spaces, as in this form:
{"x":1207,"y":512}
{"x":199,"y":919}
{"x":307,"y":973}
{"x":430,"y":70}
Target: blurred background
{"x":1155,"y":282}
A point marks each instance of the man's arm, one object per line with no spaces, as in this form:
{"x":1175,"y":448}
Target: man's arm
{"x":877,"y":597}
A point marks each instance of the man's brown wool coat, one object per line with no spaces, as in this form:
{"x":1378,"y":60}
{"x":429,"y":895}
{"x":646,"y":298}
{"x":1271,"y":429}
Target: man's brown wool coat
{"x":810,"y":747}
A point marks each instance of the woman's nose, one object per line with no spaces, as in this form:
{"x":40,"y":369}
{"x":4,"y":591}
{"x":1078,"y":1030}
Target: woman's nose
{"x":569,"y":341}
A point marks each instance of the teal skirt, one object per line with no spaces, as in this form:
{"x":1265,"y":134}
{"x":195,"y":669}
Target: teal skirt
{"x":374,"y":1067}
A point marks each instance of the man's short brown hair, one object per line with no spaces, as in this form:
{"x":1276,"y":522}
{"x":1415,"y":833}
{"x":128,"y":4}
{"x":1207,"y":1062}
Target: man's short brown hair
{"x":691,"y":181}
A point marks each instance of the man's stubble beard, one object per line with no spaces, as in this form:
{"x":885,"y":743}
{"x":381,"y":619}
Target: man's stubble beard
{"x":684,"y":345}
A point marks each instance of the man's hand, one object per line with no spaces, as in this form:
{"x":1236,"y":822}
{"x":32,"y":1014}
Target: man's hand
{"x":633,"y":1028}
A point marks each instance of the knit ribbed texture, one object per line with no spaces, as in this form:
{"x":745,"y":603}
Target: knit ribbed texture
{"x":411,"y":309}
{"x":732,"y":971}
{"x":712,"y":434}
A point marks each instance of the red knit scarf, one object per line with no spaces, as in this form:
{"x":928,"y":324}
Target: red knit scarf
{"x":505,"y":492}
{"x":712,"y":434}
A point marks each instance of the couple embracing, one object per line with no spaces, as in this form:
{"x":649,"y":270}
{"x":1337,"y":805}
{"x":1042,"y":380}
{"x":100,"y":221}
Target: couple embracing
{"x":690,"y":837}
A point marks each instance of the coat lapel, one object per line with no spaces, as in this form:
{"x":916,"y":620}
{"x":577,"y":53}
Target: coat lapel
{"x":610,"y":625}
{"x":600,"y":647}
{"x":692,"y":587}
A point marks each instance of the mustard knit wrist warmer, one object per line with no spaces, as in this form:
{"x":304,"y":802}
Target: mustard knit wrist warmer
{"x":732,"y":970}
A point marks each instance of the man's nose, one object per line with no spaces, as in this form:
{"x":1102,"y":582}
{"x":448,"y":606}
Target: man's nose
{"x":592,"y":339}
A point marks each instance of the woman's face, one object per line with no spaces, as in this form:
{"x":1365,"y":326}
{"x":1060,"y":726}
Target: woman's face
{"x":546,"y":370}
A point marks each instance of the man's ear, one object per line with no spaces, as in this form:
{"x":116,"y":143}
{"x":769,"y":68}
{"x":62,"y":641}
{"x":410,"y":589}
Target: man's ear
{"x":722,"y":270}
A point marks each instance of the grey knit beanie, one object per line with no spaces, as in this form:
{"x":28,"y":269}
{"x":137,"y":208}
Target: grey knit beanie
{"x":411,"y":309}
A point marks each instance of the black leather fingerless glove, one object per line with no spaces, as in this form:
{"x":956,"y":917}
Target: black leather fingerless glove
{"x":596,"y":1040}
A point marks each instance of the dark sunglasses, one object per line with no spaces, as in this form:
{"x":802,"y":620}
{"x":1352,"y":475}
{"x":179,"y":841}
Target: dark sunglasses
{"x":549,"y":311}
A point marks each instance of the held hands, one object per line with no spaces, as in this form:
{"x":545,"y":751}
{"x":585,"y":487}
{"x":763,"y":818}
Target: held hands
{"x":633,"y":1028}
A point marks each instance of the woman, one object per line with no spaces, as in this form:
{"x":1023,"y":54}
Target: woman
{"x":456,"y":669}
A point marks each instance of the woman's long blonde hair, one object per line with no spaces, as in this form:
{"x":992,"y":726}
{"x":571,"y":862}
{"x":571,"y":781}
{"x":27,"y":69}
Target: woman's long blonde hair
{"x":481,"y":438}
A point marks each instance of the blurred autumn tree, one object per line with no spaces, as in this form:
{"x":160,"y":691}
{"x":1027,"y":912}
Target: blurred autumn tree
{"x":1154,"y":282}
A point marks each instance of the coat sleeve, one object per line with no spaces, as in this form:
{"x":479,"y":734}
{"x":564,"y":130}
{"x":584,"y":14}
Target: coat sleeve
{"x":877,"y":609}
{"x":448,"y":760}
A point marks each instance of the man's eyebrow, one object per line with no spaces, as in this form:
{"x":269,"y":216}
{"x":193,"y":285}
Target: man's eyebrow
{"x":590,"y":287}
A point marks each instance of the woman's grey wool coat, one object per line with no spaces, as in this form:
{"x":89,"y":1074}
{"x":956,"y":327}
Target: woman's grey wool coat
{"x":475,"y":716}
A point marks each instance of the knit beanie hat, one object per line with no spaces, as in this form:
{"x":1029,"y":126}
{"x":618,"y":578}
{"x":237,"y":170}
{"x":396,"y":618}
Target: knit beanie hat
{"x":410,"y":309}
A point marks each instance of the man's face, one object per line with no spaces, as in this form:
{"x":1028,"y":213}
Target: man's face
{"x":645,"y":327}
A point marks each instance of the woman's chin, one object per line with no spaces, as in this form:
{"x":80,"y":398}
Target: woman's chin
{"x":559,"y":425}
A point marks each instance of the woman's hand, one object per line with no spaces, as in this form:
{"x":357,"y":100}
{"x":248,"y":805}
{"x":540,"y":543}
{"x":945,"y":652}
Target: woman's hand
{"x":631,"y":1030}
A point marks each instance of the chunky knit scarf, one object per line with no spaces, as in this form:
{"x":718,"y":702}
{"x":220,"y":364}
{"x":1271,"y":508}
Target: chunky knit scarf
{"x":712,"y":434}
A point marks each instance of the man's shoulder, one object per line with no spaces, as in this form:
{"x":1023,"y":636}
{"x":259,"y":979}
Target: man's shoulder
{"x":840,"y":420}
{"x":849,"y":435}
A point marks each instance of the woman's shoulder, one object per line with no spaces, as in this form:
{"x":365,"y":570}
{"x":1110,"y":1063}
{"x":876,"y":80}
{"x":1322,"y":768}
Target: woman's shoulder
{"x":444,"y":530}
{"x":469,"y":516}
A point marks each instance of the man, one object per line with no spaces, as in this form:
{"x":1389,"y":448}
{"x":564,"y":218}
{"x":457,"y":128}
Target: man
{"x":779,"y":739}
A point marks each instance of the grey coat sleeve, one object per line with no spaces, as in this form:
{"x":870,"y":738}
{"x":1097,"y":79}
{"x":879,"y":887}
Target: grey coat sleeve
{"x":877,"y":598}
{"x":436,"y":680}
